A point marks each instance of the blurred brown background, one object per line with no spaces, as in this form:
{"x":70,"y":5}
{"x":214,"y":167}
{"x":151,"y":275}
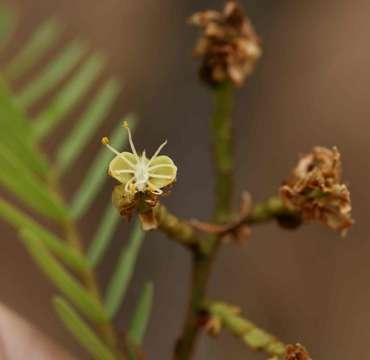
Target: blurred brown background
{"x":311,"y":88}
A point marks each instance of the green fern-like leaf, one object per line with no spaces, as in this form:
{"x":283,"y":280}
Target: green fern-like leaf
{"x":140,"y":319}
{"x":123,"y":273}
{"x":78,"y":327}
{"x":61,"y":278}
{"x":34,"y":179}
{"x":6,"y":22}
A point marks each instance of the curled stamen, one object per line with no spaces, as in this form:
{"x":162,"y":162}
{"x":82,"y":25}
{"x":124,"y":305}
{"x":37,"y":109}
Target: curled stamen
{"x":154,"y":189}
{"x":157,"y":152}
{"x":105,"y":141}
{"x":128,"y":184}
{"x":125,"y":125}
{"x":161,"y":166}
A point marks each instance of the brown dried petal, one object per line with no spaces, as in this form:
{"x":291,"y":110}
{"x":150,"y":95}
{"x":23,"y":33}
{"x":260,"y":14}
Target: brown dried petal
{"x":148,"y":220}
{"x":124,"y":202}
{"x":202,"y":18}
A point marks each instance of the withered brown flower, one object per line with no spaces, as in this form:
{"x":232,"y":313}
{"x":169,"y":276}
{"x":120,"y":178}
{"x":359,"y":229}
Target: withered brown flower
{"x":228,"y":46}
{"x":141,"y":202}
{"x":296,"y":352}
{"x":315,"y":190}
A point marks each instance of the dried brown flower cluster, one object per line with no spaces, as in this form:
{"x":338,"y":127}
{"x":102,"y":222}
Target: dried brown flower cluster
{"x":315,"y":190}
{"x":296,"y":352}
{"x":229,"y":45}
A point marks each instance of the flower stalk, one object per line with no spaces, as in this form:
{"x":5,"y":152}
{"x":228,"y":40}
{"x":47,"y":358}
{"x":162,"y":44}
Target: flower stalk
{"x":223,"y":150}
{"x":202,"y":262}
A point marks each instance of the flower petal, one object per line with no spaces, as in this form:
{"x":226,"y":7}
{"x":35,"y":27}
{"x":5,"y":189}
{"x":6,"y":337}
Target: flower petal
{"x":118,"y":166}
{"x":168,"y":170}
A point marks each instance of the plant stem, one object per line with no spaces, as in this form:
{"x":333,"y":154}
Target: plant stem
{"x":202,"y":260}
{"x":176,"y":228}
{"x":223,"y":151}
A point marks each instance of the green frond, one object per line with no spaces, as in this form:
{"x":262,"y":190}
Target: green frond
{"x":39,"y":43}
{"x":52,"y":74}
{"x":29,"y":189}
{"x":63,"y":251}
{"x":6,"y":22}
{"x":29,"y":175}
{"x":68,"y":96}
{"x":140,"y":319}
{"x":97,"y":174}
{"x":103,"y":236}
{"x":86,"y":126}
{"x":64,"y":281}
{"x":87,"y":338}
{"x":16,"y":133}
{"x":12,"y":116}
{"x":124,"y":270}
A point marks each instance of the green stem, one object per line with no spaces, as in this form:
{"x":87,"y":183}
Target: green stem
{"x":176,"y":228}
{"x":202,"y":260}
{"x":201,"y":267}
{"x":223,"y":150}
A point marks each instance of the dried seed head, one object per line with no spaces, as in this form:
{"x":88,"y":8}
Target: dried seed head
{"x":229,"y":46}
{"x":315,"y":190}
{"x":296,"y":352}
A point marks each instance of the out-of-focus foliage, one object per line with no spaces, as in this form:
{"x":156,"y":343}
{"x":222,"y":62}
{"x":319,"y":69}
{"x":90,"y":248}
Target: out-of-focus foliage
{"x":31,"y":180}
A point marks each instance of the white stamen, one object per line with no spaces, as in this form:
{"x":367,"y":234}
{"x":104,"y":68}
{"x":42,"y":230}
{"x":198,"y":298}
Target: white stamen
{"x":157,"y":152}
{"x":130,"y":139}
{"x":111,"y":148}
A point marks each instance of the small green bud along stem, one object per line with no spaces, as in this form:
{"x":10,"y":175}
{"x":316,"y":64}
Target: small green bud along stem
{"x":229,"y":317}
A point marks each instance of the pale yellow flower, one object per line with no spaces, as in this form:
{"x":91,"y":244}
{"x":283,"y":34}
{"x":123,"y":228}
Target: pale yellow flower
{"x":138,"y":173}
